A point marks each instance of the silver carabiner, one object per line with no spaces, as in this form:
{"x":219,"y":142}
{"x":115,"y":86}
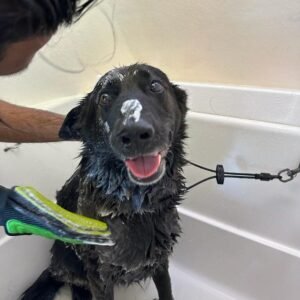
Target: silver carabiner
{"x":289,"y":174}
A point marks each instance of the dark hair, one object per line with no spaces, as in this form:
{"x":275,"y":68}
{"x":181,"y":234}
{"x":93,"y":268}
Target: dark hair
{"x":21,"y":19}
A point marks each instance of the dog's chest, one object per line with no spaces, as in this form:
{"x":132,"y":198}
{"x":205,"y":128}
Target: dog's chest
{"x":141,"y":240}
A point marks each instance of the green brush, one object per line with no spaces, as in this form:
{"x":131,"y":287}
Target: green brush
{"x":23,"y":210}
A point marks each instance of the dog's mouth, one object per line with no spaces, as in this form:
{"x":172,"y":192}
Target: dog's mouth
{"x":146,"y":169}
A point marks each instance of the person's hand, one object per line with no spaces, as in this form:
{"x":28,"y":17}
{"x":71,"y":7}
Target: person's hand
{"x":23,"y":211}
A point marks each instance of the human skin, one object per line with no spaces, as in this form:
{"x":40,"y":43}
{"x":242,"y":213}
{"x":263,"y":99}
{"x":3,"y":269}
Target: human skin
{"x":21,"y":124}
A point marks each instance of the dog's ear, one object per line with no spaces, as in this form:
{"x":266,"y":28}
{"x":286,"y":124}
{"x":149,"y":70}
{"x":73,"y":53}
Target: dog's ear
{"x":70,"y":129}
{"x":181,"y":97}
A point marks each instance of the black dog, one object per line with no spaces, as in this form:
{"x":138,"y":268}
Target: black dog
{"x":132,"y":126}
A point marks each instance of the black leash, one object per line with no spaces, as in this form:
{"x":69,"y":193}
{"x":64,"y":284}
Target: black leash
{"x":13,"y":147}
{"x":284,"y":175}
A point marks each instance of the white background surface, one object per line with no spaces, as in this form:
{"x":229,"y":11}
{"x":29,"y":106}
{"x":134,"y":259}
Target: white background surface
{"x":240,"y":240}
{"x":249,"y":42}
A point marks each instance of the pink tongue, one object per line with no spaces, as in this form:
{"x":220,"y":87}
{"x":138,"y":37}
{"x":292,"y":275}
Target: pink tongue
{"x":144,"y":166}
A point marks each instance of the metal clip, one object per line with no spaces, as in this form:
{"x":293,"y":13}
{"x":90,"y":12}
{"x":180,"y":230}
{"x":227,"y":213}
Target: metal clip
{"x":288,"y":174}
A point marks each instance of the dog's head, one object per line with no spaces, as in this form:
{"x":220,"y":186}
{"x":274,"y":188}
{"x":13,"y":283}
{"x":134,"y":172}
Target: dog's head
{"x":134,"y":112}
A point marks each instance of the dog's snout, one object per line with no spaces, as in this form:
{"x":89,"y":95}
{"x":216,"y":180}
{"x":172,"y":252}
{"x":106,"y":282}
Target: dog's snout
{"x":136,"y":133}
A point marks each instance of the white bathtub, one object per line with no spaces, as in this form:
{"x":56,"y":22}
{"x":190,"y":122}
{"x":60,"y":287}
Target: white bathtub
{"x":240,"y":240}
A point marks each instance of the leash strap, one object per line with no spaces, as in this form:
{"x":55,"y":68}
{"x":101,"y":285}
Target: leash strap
{"x":283,"y":176}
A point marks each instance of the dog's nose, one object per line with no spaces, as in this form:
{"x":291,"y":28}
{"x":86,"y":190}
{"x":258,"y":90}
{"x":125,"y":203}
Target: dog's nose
{"x":136,"y":133}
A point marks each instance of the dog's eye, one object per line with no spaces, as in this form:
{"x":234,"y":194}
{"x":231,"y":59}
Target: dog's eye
{"x":104,"y":99}
{"x":156,"y":87}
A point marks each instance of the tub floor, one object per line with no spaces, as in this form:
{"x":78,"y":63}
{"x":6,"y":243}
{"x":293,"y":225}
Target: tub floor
{"x":185,"y":286}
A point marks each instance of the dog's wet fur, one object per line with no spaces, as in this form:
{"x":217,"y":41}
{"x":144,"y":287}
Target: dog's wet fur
{"x":140,"y":210}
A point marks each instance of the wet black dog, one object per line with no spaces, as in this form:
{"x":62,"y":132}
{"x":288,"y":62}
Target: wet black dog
{"x":132,"y":126}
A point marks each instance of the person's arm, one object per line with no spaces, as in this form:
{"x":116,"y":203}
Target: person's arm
{"x":28,"y":125}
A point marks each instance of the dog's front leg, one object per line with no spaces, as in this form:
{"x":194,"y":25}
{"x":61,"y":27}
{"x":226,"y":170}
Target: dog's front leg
{"x":79,"y":293}
{"x":101,"y":290}
{"x":162,"y":282}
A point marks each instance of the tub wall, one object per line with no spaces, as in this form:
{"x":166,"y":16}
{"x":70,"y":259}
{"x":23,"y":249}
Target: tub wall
{"x":242,"y":238}
{"x":254,"y":43}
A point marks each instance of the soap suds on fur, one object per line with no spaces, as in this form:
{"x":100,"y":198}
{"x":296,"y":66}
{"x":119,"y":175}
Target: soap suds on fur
{"x":131,"y":109}
{"x":107,"y":128}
